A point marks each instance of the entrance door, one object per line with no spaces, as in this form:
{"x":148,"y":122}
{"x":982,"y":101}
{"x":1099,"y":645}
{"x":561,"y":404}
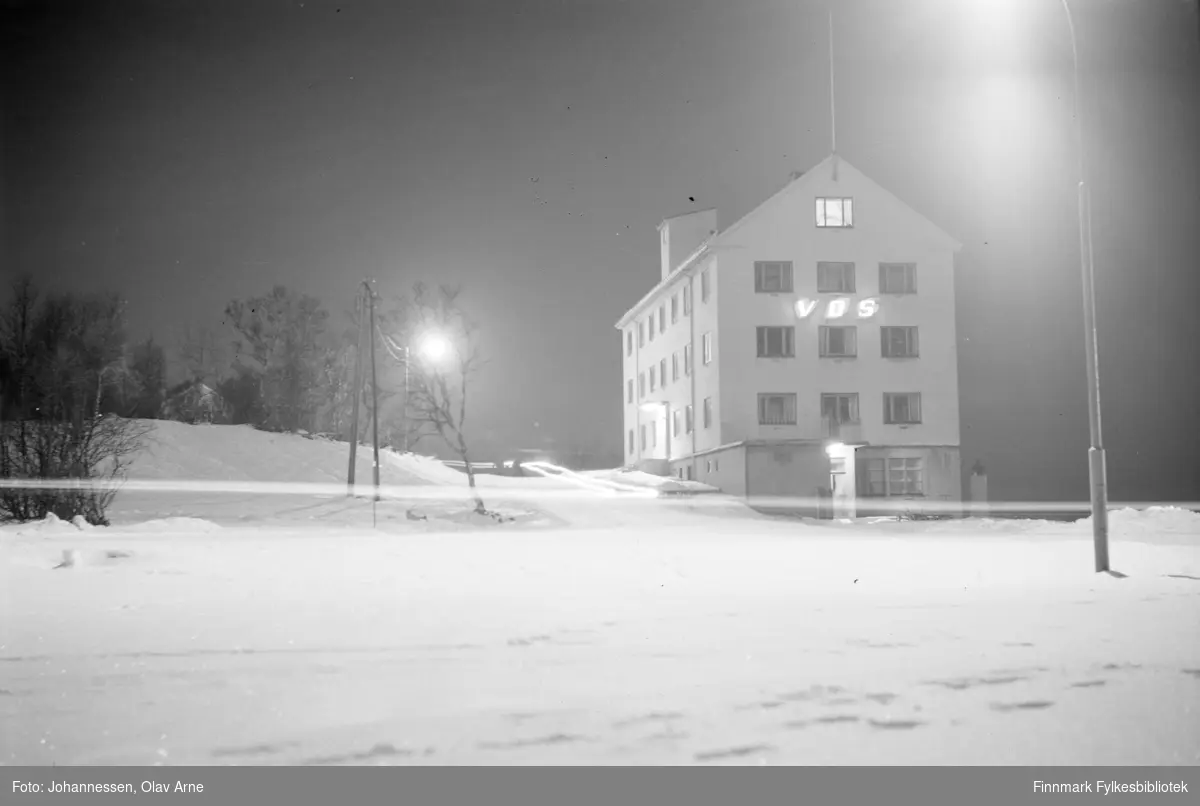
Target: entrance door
{"x":843,"y":495}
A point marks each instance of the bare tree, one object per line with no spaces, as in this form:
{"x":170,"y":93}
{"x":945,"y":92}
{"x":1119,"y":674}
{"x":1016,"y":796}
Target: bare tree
{"x":204,"y":354}
{"x":60,"y":359}
{"x":444,"y":357}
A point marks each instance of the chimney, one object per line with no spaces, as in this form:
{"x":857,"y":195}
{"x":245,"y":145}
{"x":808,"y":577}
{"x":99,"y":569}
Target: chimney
{"x":682,"y":235}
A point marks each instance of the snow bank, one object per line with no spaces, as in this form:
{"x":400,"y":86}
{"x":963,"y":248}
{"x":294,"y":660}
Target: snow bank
{"x":174,"y":526}
{"x":241,"y":453}
{"x":1130,"y":522}
{"x":49,"y":526}
{"x":638,"y":478}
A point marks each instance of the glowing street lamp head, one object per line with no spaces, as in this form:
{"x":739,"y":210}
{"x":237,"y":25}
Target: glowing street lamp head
{"x":434,"y":348}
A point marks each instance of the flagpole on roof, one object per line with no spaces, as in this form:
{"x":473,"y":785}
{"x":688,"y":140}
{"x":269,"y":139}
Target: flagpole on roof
{"x":832,"y":104}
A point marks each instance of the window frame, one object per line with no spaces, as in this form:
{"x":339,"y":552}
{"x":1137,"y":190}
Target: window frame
{"x":823,"y":333}
{"x":789,"y":416}
{"x":787,"y":344}
{"x":786,"y":276}
{"x":908,"y":277}
{"x":629,"y":390}
{"x":707,"y":356}
{"x":889,"y":412}
{"x":912,"y":341}
{"x":845,"y":207}
{"x":674,"y":308}
{"x":846,"y":269}
{"x":837,"y":397}
{"x":707,"y":413}
{"x":705,"y":285}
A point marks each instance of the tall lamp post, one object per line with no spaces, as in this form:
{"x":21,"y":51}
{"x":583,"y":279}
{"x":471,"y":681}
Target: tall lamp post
{"x":432,"y":347}
{"x":368,"y":297}
{"x":1097,"y":470}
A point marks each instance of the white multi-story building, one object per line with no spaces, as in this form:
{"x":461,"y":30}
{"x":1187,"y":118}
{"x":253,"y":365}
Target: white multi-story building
{"x":807,"y":351}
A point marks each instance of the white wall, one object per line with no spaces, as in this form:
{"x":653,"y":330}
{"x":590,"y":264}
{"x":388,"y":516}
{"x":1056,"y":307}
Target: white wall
{"x":884,"y":231}
{"x":682,"y":235}
{"x":676,"y":393}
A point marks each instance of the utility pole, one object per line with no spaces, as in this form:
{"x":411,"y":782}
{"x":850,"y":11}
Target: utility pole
{"x":374,"y":391}
{"x":406,"y":355}
{"x":355,"y":393}
{"x":1097,"y":469}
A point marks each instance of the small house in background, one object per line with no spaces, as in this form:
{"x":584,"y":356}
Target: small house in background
{"x":194,"y":402}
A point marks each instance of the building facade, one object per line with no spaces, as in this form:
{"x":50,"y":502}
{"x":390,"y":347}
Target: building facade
{"x":805,"y":356}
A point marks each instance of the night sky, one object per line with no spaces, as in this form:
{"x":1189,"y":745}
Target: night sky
{"x":186,"y":153}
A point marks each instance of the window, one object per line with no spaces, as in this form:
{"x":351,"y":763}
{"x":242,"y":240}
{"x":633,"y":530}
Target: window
{"x":687,"y":300}
{"x":835,"y":212}
{"x":675,"y":366}
{"x":652,"y":326}
{"x":631,"y":440}
{"x":688,"y":419}
{"x":676,"y":421}
{"x":653,"y":378}
{"x":662,"y":371}
{"x":674,"y":308}
{"x":716,"y":464}
{"x":641,"y":334}
{"x":707,"y":412}
{"x":629,"y":391}
{"x":662,"y":318}
{"x":706,"y":345}
{"x":838,"y":342}
{"x":835,"y":278}
{"x":901,"y":409}
{"x":904,"y":476}
{"x":777,"y":409}
{"x":773,"y":277}
{"x":689,"y":472}
{"x":704,"y":286}
{"x":641,"y":385}
{"x":840,"y":408}
{"x":776,"y":342}
{"x":654,"y":435}
{"x":893,"y":476}
{"x":897,"y":278}
{"x":629,"y":343}
{"x":687,"y":359}
{"x":642,"y":437}
{"x":898,"y":342}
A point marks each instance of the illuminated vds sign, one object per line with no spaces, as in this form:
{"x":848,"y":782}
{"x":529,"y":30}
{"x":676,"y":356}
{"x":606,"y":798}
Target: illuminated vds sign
{"x":838,"y":308}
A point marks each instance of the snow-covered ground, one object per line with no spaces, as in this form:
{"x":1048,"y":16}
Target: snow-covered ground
{"x":594,"y":628}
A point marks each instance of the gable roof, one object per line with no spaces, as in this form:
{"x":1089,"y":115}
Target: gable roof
{"x":833,"y":163}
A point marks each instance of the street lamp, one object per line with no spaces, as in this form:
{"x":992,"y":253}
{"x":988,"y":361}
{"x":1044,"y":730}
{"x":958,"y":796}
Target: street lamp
{"x":433,"y":347}
{"x":1097,"y":470}
{"x":367,"y":295}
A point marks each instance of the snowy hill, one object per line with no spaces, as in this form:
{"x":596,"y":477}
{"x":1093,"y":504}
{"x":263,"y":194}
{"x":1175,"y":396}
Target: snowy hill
{"x":236,"y":474}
